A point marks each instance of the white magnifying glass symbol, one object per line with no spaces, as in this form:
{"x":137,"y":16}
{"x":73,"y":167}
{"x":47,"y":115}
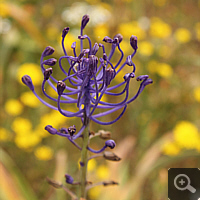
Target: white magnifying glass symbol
{"x":182,"y":181}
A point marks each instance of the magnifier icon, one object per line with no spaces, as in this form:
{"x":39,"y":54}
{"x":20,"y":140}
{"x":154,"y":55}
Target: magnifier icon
{"x":185,"y":182}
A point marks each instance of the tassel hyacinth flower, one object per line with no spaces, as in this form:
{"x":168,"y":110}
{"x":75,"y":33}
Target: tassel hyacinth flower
{"x":87,"y":78}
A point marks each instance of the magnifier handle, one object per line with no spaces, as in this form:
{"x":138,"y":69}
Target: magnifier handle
{"x":191,"y":189}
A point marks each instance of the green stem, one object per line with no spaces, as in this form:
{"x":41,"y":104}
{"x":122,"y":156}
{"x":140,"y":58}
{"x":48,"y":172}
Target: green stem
{"x":84,"y":160}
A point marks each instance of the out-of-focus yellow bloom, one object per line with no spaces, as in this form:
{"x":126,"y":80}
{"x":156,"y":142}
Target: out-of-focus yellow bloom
{"x":21,"y":126}
{"x":152,"y":66}
{"x":101,"y":31}
{"x":29,"y":99}
{"x":31,"y":69}
{"x":164,"y":70}
{"x":102,"y":172}
{"x":197,"y":30}
{"x":44,"y":153}
{"x":4,"y":10}
{"x":196,"y":93}
{"x":146,"y":48}
{"x":186,"y":135}
{"x":164,"y":51}
{"x":126,"y":47}
{"x":159,"y":28}
{"x":159,"y":3}
{"x":131,"y":28}
{"x":4,"y":135}
{"x":52,"y":32}
{"x":91,"y":165}
{"x":47,"y":10}
{"x":53,"y":118}
{"x":94,"y":192}
{"x":170,"y":148}
{"x":27,"y":141}
{"x":70,"y":38}
{"x":13,"y":107}
{"x":182,"y":35}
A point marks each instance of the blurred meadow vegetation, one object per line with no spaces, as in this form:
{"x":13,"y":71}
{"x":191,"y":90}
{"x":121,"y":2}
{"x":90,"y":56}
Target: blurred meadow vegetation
{"x":161,"y":129}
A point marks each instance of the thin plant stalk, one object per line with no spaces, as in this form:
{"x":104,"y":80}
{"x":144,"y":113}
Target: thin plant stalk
{"x":84,"y":159}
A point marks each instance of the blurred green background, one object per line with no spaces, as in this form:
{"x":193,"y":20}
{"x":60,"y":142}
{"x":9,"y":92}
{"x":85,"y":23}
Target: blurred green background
{"x":161,"y":129}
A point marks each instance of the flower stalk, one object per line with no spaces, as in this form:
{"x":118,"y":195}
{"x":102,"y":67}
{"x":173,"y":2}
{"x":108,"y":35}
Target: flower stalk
{"x":84,"y":161}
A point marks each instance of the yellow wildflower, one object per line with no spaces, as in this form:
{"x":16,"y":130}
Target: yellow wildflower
{"x":44,"y":153}
{"x":21,"y":125}
{"x":102,"y":172}
{"x":4,"y":134}
{"x":131,"y":28}
{"x":53,"y":118}
{"x":126,"y":47}
{"x":27,"y":141}
{"x":94,"y":192}
{"x":70,"y":38}
{"x":182,"y":35}
{"x":164,"y":70}
{"x":31,"y":69}
{"x":197,"y":30}
{"x":152,"y":66}
{"x":100,"y":31}
{"x":170,"y":148}
{"x":91,"y":165}
{"x":159,"y":28}
{"x":29,"y":99}
{"x":186,"y":135}
{"x":146,"y":48}
{"x":13,"y":107}
{"x":4,"y":9}
{"x":196,"y":93}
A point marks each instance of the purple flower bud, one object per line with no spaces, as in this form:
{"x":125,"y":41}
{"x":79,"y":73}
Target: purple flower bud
{"x":133,"y":42}
{"x":50,"y":62}
{"x":47,"y":73}
{"x":82,"y":54}
{"x":95,"y":49}
{"x":119,"y":37}
{"x":68,"y":179}
{"x":65,"y":31}
{"x":48,"y":51}
{"x":26,"y":79}
{"x":50,"y":129}
{"x":73,"y":46}
{"x":142,"y":77}
{"x":60,"y":87}
{"x":84,"y":21}
{"x":105,"y":57}
{"x":110,"y":143}
{"x":129,"y":61}
{"x":129,"y":75}
{"x":72,"y":130}
{"x":148,"y":81}
{"x":109,"y":75}
{"x":93,"y":60}
{"x":81,"y":37}
{"x":107,"y":39}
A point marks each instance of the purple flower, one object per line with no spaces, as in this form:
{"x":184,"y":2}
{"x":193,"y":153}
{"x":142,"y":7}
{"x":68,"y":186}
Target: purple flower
{"x":87,"y":78}
{"x":68,"y":179}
